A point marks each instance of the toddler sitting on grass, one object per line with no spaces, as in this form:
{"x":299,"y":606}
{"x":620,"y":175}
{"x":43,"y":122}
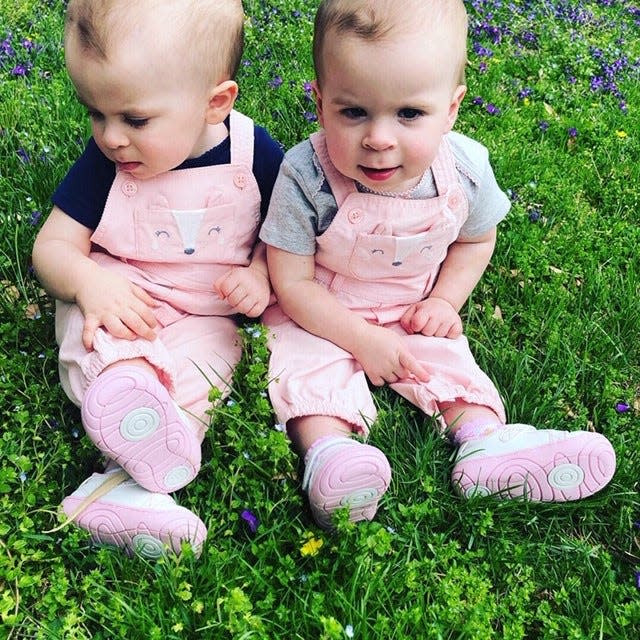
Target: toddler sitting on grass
{"x":150,"y":251}
{"x":379,"y":228}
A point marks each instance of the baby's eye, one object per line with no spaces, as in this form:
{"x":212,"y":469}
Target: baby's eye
{"x":374,"y":251}
{"x":136,"y":123}
{"x":408,"y":113}
{"x":94,"y":115}
{"x":353,"y":113}
{"x":161,"y":232}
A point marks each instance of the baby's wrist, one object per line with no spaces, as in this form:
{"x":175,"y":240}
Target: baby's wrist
{"x":443,"y":299}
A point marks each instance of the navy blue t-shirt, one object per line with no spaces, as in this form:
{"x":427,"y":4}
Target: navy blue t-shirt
{"x":83,"y":192}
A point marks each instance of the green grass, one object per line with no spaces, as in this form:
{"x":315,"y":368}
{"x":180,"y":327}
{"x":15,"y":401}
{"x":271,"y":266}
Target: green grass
{"x":555,"y":321}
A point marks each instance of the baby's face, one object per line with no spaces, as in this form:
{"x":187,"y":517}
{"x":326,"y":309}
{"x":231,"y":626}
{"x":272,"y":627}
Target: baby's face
{"x":385,"y":106}
{"x":145,"y":115}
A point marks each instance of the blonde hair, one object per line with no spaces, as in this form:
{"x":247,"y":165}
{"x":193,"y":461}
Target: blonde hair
{"x":379,"y":20}
{"x":209,"y":34}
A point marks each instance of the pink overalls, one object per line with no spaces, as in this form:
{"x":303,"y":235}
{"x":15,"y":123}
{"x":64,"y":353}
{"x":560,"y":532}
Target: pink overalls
{"x":378,"y":256}
{"x":173,"y":235}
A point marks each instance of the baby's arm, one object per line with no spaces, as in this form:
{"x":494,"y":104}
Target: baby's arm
{"x":247,"y":289}
{"x":380,"y":351}
{"x":460,"y":272}
{"x":107,"y":299}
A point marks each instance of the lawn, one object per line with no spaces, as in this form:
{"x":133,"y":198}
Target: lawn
{"x":554,"y":94}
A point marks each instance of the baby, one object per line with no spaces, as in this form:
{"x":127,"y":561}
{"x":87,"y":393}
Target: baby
{"x":150,"y":251}
{"x":379,"y":228}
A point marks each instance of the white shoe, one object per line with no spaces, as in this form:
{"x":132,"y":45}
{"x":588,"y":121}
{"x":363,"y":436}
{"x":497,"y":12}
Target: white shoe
{"x":133,"y":518}
{"x":546,"y":465}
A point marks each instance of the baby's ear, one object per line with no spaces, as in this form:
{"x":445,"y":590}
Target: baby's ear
{"x":221,"y":100}
{"x":317,"y":97}
{"x":454,"y":107}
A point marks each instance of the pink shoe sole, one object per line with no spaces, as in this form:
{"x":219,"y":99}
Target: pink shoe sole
{"x":145,"y":532}
{"x":561,"y":471}
{"x":354,"y":476}
{"x":131,"y":418}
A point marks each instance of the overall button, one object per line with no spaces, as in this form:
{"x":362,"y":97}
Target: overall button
{"x":129,"y":188}
{"x":354,"y":216}
{"x":240,"y":180}
{"x":453,"y":201}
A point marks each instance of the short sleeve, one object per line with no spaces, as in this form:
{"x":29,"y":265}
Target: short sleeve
{"x":292,"y":218}
{"x":488,"y":204}
{"x":83,"y":192}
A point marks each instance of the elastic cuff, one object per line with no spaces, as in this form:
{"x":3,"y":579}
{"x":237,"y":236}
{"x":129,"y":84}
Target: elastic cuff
{"x":109,"y":350}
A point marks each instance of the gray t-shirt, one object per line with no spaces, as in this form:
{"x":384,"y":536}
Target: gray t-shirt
{"x":302,"y":205}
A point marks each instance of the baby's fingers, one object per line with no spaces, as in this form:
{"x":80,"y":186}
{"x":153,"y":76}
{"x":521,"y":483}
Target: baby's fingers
{"x":149,"y":303}
{"x":413,"y":367}
{"x":89,"y":329}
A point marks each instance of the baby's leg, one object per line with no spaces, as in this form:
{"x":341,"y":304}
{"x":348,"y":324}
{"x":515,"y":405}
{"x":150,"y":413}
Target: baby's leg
{"x":124,"y":389}
{"x":154,"y":435}
{"x":493,"y":457}
{"x":321,"y":394}
{"x":516,"y":460}
{"x":133,"y":419}
{"x":339,"y":471}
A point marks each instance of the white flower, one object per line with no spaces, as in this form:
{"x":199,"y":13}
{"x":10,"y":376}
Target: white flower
{"x":348,"y":631}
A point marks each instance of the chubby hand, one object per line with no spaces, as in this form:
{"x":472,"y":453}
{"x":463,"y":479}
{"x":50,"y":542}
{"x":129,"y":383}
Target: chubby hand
{"x":385,"y":357}
{"x":432,"y":317}
{"x":109,"y":300}
{"x":246,"y":289}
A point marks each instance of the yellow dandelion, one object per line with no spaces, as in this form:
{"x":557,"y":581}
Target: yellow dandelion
{"x":311,"y":546}
{"x":621,"y":134}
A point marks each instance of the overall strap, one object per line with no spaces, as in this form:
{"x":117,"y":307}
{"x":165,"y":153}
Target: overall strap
{"x":444,"y":168}
{"x":242,"y":138}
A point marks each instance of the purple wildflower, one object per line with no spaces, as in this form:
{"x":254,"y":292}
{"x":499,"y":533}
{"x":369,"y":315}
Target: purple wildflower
{"x":534,"y":215}
{"x":482,"y":52}
{"x":276,"y":82}
{"x":543,"y":125}
{"x":492,"y":110}
{"x":622,"y":407}
{"x":19,"y":70}
{"x":637,"y":576}
{"x":478,"y":101}
{"x":252,"y":521}
{"x":572,"y":132}
{"x":35,"y":218}
{"x":23,"y":155}
{"x":309,"y":116}
{"x":6,"y":50}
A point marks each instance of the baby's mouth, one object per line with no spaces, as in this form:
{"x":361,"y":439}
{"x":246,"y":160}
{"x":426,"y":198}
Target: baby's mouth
{"x":379,"y":175}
